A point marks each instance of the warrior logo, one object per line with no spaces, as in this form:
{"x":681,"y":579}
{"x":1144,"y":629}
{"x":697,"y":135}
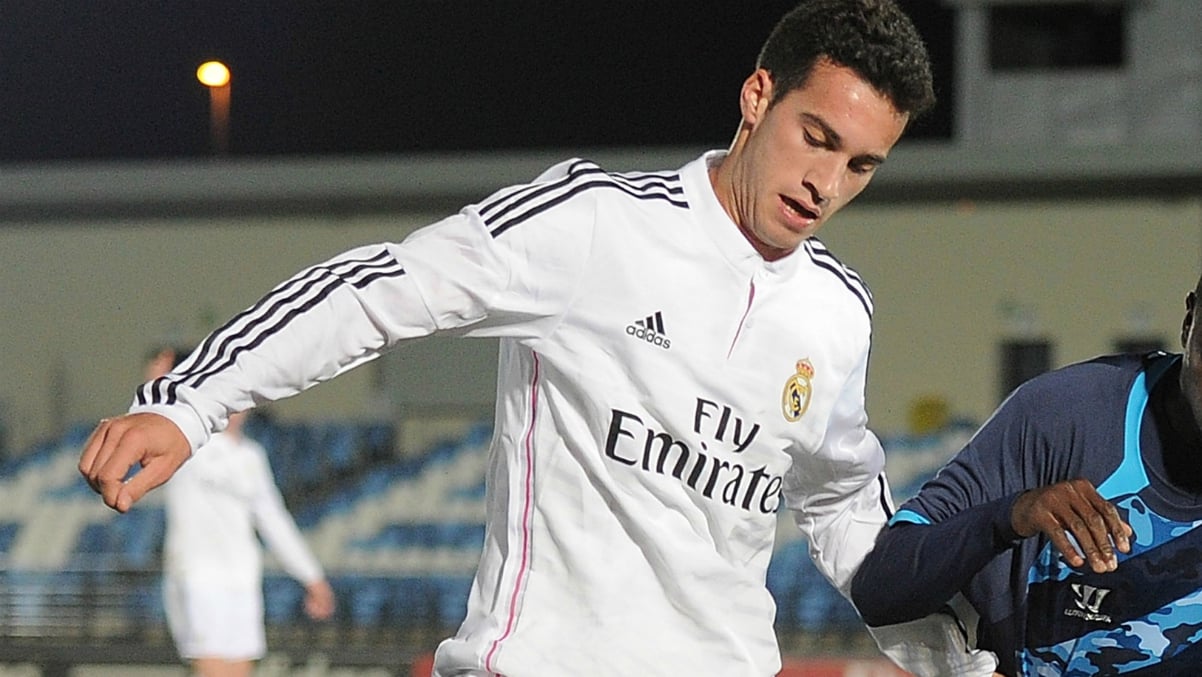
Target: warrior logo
{"x":795,"y":399}
{"x":1089,"y":603}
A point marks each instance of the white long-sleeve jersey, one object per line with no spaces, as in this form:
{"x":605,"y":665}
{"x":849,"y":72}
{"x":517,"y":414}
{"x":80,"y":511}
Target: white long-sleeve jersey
{"x":216,"y":504}
{"x":662,"y":390}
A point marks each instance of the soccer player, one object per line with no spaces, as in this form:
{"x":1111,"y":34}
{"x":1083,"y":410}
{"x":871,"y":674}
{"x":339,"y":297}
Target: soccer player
{"x":212,"y":568}
{"x":680,"y":357}
{"x":1070,"y":522}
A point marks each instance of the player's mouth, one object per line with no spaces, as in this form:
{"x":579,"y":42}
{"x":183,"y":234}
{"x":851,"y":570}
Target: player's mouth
{"x":800,"y":215}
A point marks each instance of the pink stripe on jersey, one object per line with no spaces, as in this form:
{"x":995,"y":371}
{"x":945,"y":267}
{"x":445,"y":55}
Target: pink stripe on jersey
{"x":742,"y":320}
{"x":527,"y":508}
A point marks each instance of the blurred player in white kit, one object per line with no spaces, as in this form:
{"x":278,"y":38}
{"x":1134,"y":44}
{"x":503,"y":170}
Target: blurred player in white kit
{"x":212,"y":559}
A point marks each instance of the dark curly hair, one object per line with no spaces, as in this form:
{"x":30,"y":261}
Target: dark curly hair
{"x":874,"y":38}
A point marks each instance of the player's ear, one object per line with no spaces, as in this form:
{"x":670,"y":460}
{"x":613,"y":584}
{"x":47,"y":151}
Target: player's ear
{"x":755,"y":96}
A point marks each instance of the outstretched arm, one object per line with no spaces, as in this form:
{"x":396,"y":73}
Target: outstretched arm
{"x":455,"y":276}
{"x":937,"y":560}
{"x":321,"y":322}
{"x":1013,"y":480}
{"x":915,"y":567}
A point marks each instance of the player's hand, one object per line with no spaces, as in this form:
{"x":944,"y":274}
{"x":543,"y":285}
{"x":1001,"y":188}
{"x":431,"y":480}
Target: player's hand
{"x":319,"y":600}
{"x":118,"y":444}
{"x":1074,"y":507}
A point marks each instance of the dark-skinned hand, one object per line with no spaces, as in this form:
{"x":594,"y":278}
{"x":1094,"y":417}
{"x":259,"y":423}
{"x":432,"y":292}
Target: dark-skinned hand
{"x":1074,"y":507}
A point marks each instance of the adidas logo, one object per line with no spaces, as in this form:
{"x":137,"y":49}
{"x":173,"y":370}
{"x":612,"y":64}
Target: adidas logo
{"x":651,"y":330}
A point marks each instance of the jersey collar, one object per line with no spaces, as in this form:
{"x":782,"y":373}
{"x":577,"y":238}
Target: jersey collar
{"x":719,"y":227}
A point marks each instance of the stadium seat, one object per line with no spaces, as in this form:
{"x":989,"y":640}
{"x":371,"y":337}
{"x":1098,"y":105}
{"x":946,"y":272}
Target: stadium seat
{"x":368,"y":601}
{"x":282,"y":599}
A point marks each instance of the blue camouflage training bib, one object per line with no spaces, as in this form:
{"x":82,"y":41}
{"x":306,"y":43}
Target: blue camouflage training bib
{"x":1143,"y":619}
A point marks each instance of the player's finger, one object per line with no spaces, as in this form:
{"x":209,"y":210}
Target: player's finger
{"x":1088,"y":526}
{"x":89,"y":458}
{"x":1089,"y":530}
{"x":1096,"y":525}
{"x":1118,"y":530}
{"x":1060,"y":540}
{"x":154,"y":472}
{"x":116,"y":455}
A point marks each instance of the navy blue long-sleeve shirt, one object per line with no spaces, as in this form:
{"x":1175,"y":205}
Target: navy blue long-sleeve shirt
{"x":1094,"y":420}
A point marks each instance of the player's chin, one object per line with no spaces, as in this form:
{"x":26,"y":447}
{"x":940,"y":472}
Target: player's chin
{"x":790,"y":239}
{"x":811,"y":229}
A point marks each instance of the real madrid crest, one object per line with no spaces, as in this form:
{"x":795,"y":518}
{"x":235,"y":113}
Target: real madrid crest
{"x":795,"y":399}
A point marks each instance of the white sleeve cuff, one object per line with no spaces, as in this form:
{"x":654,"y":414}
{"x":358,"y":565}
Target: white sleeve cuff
{"x":934,"y":646}
{"x":189,"y":423}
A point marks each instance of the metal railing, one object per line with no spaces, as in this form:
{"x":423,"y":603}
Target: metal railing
{"x":81,"y":604}
{"x":61,"y":618}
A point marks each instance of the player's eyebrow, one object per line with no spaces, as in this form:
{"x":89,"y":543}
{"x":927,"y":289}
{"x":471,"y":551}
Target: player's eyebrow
{"x":835,"y":141}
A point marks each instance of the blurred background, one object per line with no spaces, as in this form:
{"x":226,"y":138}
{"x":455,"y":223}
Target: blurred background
{"x":1048,"y":210}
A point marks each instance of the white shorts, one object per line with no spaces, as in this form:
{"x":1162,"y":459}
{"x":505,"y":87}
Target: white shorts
{"x":214,"y":621}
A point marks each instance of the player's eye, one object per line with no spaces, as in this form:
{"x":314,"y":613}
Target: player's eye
{"x":864,"y":167}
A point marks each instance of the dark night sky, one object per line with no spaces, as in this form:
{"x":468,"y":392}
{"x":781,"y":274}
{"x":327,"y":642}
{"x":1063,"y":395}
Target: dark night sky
{"x":115,"y":79}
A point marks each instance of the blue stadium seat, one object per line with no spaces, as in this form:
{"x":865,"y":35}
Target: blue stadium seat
{"x":8,"y":532}
{"x":378,"y":439}
{"x":93,"y":548}
{"x":144,"y":602}
{"x":368,"y":601}
{"x":338,"y":444}
{"x":139,"y":536}
{"x":805,"y":600}
{"x":375,"y":481}
{"x":283,"y":599}
{"x":459,"y":535}
{"x":414,"y":602}
{"x":453,"y":592}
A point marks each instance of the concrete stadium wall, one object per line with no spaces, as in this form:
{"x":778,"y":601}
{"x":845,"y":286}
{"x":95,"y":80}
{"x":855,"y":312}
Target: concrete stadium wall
{"x":952,"y":280}
{"x":82,"y":302}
